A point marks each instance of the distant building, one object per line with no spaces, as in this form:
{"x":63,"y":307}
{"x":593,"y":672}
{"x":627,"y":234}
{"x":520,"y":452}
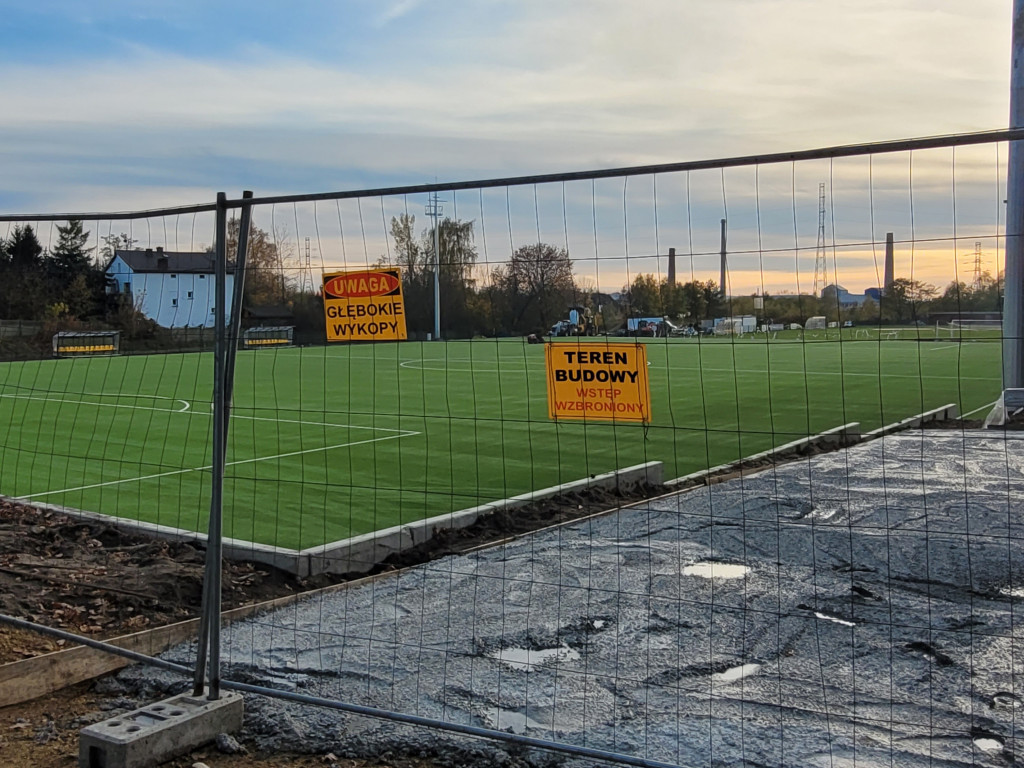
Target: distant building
{"x":737,"y":325}
{"x":175,"y":290}
{"x":269,"y":315}
{"x":846,"y":300}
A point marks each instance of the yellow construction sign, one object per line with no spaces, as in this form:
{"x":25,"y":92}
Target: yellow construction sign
{"x":364,"y":306}
{"x":598,"y":381}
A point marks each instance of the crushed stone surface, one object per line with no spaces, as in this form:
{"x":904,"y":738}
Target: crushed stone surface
{"x":875,"y":621}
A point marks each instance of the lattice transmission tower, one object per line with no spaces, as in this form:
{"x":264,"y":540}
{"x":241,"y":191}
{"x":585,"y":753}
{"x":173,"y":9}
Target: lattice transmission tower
{"x":976,"y":268}
{"x":306,"y":277}
{"x":820,"y":264}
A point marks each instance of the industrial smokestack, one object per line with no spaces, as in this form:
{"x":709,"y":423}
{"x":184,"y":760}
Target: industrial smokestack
{"x":671,"y":266}
{"x":889,"y":260}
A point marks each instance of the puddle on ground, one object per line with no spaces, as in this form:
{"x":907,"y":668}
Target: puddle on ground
{"x":735,"y":673}
{"x":836,"y":619}
{"x":510,"y":720}
{"x":526,"y":660}
{"x":712,"y":570}
{"x":987,"y":744}
{"x":1005,"y":699}
{"x":824,"y":512}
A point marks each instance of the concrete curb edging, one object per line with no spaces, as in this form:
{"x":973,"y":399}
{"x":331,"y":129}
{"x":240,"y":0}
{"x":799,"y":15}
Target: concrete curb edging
{"x":846,"y":435}
{"x":840,"y":437}
{"x":361,"y":553}
{"x":942,"y":413}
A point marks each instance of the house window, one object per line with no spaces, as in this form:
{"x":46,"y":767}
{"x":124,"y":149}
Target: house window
{"x":174,"y":302}
{"x":190,"y":295}
{"x":202,"y":277}
{"x":174,"y":277}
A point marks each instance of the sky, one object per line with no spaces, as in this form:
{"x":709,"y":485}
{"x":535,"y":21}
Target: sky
{"x":120,"y":105}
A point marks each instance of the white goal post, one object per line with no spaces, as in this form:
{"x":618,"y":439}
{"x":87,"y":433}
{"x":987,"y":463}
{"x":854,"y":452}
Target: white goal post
{"x":963,"y":328}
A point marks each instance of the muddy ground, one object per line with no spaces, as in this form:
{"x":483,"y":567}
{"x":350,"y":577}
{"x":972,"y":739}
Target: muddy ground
{"x":98,"y":581}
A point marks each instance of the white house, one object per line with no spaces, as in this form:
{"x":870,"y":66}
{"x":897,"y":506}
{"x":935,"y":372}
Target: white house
{"x":175,"y":290}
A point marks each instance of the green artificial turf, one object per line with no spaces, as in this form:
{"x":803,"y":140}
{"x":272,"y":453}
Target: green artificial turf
{"x":329,"y":442}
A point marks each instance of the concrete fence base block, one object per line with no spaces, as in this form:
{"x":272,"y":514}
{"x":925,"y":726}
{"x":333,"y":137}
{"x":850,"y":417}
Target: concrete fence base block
{"x":159,"y":732}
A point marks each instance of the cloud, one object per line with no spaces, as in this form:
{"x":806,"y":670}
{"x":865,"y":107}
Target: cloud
{"x":397,"y":10}
{"x":514,"y":87}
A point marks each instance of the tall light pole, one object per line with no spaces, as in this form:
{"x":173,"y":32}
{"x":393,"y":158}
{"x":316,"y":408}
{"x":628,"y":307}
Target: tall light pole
{"x":1013,"y":276}
{"x":434,"y":210}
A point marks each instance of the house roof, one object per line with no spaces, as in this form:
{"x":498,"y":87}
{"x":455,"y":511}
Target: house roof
{"x":269,"y":311}
{"x":170,"y":261}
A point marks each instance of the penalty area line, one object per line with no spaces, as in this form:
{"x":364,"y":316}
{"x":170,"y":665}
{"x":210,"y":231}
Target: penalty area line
{"x":210,"y":466}
{"x":187,"y":409}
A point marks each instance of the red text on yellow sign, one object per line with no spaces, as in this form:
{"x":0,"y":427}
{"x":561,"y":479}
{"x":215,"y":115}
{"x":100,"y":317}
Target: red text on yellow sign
{"x":598,"y":381}
{"x":366,"y":305}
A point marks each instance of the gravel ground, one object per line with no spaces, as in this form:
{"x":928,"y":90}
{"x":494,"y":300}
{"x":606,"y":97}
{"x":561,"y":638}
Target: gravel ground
{"x":856,"y":606}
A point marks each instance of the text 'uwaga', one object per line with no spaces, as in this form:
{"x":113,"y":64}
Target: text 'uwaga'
{"x":365,"y":306}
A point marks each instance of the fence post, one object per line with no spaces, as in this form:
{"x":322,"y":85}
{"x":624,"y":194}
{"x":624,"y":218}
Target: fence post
{"x":209,"y":623}
{"x":235,"y":324}
{"x":1013,"y":311}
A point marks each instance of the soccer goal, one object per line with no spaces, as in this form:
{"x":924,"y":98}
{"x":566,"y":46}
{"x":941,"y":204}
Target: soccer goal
{"x":962,"y":328}
{"x":271,"y":336}
{"x":84,"y":343}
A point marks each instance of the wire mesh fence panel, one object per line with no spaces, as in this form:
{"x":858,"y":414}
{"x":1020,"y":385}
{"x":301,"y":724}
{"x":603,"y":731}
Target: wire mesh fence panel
{"x":680,"y":465}
{"x":105,"y":421}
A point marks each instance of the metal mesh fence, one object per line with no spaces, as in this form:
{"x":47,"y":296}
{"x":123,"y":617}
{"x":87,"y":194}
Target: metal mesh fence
{"x":811,"y":556}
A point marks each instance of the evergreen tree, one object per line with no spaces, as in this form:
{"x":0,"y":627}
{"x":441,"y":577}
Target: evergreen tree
{"x":71,"y":257}
{"x":74,"y":278}
{"x":23,"y":282}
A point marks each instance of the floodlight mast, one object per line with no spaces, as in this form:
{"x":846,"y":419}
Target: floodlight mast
{"x":434,"y":210}
{"x":1013,"y":304}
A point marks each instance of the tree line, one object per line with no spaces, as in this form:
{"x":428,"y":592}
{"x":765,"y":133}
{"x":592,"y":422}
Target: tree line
{"x":528,"y":293}
{"x":38,"y":283}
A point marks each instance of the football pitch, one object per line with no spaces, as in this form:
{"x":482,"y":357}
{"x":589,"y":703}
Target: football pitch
{"x":331,"y":442}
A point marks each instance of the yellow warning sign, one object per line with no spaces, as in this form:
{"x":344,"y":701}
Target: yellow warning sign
{"x":364,"y":306}
{"x":598,"y":381}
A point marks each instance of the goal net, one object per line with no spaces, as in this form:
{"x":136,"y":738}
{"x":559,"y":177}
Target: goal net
{"x":962,"y":328}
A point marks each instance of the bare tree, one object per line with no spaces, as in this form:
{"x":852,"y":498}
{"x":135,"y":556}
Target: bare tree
{"x":537,"y":287}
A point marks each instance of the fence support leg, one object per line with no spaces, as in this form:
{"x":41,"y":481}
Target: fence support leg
{"x":209,"y":626}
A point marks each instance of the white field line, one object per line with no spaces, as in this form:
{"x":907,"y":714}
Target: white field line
{"x":317,"y":423}
{"x":186,"y":404}
{"x":407,"y":433}
{"x":971,"y":413}
{"x":760,"y":371}
{"x":186,"y":408}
